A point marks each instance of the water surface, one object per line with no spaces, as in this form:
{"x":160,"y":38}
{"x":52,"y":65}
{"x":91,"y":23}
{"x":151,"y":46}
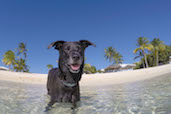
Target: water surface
{"x":143,"y":97}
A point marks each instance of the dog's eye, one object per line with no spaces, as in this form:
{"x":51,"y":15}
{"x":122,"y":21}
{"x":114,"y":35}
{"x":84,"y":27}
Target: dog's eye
{"x":78,"y":48}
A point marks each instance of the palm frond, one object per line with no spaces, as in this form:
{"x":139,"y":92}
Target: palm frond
{"x":136,"y":50}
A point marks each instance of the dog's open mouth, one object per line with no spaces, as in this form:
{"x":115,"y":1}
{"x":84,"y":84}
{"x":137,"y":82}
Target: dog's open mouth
{"x":74,"y":68}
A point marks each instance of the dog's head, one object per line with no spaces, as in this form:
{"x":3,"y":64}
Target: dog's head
{"x":71,"y":54}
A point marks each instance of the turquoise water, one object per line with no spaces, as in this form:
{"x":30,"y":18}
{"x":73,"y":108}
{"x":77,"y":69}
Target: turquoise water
{"x":151,"y":96}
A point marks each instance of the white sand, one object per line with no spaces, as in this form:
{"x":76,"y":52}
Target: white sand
{"x":92,"y":79}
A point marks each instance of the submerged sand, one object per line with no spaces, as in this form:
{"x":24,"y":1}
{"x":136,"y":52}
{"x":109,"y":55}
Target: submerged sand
{"x":92,"y":79}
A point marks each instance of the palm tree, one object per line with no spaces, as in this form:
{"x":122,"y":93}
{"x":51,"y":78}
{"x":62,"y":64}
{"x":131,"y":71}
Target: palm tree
{"x":143,"y":45}
{"x":157,"y":46}
{"x":113,"y":55}
{"x":140,"y":55}
{"x":165,"y":58}
{"x":22,"y":49}
{"x":109,"y":52}
{"x":20,"y":65}
{"x":117,"y":58}
{"x":9,"y":58}
{"x":49,"y":66}
{"x":21,"y":62}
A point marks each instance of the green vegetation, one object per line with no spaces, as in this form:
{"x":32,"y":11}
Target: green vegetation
{"x":151,"y":54}
{"x":109,"y":52}
{"x":18,"y":62}
{"x":113,"y":55}
{"x":157,"y":46}
{"x":140,"y":55}
{"x":49,"y":66}
{"x":21,"y":49}
{"x":143,"y":45}
{"x":20,"y":65}
{"x":9,"y":58}
{"x":158,"y":53}
{"x":88,"y":69}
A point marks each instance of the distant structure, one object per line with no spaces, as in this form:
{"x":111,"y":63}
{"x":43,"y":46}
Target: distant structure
{"x":119,"y":67}
{"x":112,"y":68}
{"x":170,"y":59}
{"x":4,"y":68}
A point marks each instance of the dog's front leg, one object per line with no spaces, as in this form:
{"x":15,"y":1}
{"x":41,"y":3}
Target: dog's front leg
{"x":73,"y":100}
{"x":50,"y":104}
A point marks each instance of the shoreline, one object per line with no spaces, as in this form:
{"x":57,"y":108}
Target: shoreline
{"x":101,"y":79}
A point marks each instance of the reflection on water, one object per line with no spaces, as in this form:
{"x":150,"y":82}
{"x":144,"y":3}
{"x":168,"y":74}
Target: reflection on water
{"x":145,"y":97}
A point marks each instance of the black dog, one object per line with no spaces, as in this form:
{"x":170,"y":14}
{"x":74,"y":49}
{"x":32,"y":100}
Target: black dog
{"x":63,"y":82}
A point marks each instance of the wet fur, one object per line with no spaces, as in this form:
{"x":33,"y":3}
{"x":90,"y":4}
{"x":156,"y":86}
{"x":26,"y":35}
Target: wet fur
{"x":56,"y":89}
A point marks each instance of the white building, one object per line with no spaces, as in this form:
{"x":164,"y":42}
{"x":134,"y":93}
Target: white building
{"x":119,"y":67}
{"x":125,"y":67}
{"x":3,"y":68}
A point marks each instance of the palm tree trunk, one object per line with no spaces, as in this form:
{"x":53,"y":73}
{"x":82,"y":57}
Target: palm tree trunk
{"x":10,"y":67}
{"x":145,"y":59}
{"x":142,"y":62}
{"x":157,"y":58}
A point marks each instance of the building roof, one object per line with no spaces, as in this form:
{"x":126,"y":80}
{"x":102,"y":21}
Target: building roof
{"x":3,"y":68}
{"x":113,"y":67}
{"x":120,"y":67}
{"x":128,"y":66}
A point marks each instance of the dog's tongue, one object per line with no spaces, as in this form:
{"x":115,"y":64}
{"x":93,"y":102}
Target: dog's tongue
{"x":75,"y":66}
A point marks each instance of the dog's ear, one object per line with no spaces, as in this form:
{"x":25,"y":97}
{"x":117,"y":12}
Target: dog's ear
{"x":86,"y":43}
{"x":57,"y":44}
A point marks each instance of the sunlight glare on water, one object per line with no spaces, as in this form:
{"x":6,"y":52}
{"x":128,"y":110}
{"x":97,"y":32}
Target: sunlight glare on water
{"x":146,"y":97}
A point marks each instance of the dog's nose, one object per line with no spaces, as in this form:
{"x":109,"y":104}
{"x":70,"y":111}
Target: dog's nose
{"x":75,"y":57}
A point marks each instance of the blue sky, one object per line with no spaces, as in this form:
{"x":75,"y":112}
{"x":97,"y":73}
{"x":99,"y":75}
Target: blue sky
{"x":116,"y":23}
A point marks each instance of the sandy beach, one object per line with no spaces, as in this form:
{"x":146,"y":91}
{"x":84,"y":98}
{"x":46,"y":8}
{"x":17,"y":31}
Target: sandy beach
{"x":92,"y":79}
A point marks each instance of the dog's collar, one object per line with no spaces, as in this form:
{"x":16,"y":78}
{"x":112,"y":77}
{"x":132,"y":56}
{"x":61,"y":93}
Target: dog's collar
{"x":68,"y":84}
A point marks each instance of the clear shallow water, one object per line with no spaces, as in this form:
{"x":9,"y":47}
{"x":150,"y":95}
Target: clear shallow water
{"x":151,"y":96}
